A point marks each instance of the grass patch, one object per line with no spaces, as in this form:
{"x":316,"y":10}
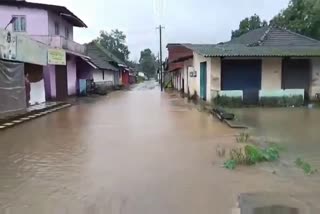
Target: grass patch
{"x":243,"y":137}
{"x":305,"y":166}
{"x":285,"y":101}
{"x":224,"y":101}
{"x":252,"y":155}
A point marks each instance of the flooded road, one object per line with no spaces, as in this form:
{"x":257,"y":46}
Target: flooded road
{"x":131,"y":152}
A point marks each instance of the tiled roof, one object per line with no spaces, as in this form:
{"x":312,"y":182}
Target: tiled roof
{"x":266,"y":41}
{"x":109,"y":55}
{"x":59,"y":10}
{"x":99,"y":58}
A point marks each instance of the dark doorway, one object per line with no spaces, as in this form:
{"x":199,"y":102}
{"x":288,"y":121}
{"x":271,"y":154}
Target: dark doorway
{"x":203,"y":80}
{"x":296,"y":74}
{"x":61,"y":82}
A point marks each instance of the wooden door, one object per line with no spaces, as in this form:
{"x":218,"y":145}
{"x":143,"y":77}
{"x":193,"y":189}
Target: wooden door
{"x":61,"y":82}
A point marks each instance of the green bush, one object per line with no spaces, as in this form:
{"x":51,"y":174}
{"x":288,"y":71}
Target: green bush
{"x":230,"y":164}
{"x":296,"y":100}
{"x":306,"y":167}
{"x":225,"y":101}
{"x":251,"y":156}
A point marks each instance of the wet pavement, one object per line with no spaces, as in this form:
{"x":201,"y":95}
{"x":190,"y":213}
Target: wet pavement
{"x":131,"y":152}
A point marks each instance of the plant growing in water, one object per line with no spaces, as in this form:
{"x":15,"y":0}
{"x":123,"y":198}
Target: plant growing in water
{"x":243,"y":137}
{"x":305,"y":166}
{"x":252,"y":155}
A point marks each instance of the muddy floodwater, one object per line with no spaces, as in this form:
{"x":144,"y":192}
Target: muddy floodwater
{"x":131,"y":152}
{"x":295,"y":128}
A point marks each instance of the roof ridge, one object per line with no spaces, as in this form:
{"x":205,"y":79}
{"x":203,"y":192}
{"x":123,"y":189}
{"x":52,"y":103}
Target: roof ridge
{"x":264,"y":36}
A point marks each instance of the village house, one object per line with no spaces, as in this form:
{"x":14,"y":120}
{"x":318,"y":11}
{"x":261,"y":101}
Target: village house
{"x":109,"y":68}
{"x":264,"y":63}
{"x":51,"y":25}
{"x":19,"y":54}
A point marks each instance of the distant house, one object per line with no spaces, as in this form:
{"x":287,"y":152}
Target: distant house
{"x":178,"y":56}
{"x":267,"y":62}
{"x":109,"y":67}
{"x":106,"y":69}
{"x":51,"y":25}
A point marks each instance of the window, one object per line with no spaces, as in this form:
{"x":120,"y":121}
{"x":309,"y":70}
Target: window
{"x":67,"y":32}
{"x":56,"y":28}
{"x":19,"y":24}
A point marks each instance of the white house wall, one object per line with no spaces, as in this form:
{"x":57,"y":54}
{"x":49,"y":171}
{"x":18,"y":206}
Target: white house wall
{"x":215,"y":76}
{"x":195,"y":83}
{"x":271,"y":73}
{"x":98,"y":76}
{"x":187,"y":78}
{"x":315,"y":77}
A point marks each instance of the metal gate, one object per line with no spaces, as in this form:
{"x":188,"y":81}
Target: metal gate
{"x":244,"y":75}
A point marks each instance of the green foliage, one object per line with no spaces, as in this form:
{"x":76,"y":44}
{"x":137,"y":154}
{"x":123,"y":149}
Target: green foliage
{"x":243,"y":137}
{"x":224,"y":101}
{"x":115,"y":42}
{"x":148,"y":63}
{"x":230,"y":164}
{"x":306,"y":167}
{"x":248,"y":24}
{"x":296,"y":100}
{"x":252,"y":155}
{"x":301,"y":16}
{"x":271,"y":154}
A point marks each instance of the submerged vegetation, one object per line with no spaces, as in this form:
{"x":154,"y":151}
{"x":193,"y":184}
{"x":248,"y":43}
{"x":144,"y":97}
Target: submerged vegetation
{"x":251,"y":155}
{"x":305,"y":166}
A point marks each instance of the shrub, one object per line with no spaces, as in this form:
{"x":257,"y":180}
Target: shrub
{"x":225,"y":101}
{"x":296,"y":100}
{"x":230,"y":164}
{"x":252,"y":155}
{"x":306,"y":167}
{"x":243,"y":137}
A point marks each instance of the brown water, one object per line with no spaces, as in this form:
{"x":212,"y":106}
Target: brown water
{"x":135,"y":152}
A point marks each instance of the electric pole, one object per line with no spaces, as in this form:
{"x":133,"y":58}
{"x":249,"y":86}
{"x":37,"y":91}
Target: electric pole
{"x":161,"y":71}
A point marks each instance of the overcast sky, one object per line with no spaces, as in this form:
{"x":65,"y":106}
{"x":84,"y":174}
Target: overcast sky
{"x":194,"y":21}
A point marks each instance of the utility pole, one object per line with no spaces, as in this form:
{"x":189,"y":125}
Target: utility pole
{"x":161,"y":71}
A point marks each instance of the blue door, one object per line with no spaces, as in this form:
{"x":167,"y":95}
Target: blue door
{"x":203,"y":80}
{"x":244,"y":75}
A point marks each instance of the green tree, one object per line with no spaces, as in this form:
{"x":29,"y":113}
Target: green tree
{"x":248,"y":24}
{"x":301,"y":16}
{"x":115,"y":42}
{"x":148,"y":62}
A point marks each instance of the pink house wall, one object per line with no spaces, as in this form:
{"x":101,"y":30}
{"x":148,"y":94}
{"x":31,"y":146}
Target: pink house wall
{"x":36,"y":19}
{"x":62,"y":25}
{"x":42,"y":23}
{"x":72,"y":75}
